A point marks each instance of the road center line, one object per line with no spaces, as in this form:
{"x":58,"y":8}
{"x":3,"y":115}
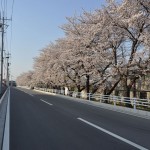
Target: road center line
{"x":46,"y":102}
{"x":114,"y":135}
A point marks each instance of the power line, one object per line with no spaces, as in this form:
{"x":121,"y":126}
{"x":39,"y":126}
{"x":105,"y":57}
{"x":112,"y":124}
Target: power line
{"x":2,"y":8}
{"x":11,"y":34}
{"x":12,"y":8}
{"x":5,"y":9}
{"x":3,"y":26}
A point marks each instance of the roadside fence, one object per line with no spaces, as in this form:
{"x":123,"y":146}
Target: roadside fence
{"x":135,"y":103}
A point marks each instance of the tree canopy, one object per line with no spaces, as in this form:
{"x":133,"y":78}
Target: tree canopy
{"x":101,"y":50}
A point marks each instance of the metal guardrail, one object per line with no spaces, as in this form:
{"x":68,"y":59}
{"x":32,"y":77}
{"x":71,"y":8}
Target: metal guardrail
{"x":3,"y":112}
{"x":135,"y":103}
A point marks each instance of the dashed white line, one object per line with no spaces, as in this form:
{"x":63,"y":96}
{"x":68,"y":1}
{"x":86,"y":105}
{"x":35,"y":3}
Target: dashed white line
{"x":27,"y":93}
{"x":46,"y":102}
{"x":114,"y":135}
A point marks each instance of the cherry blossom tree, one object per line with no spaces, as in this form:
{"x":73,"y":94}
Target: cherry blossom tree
{"x":25,"y":79}
{"x":101,"y":50}
{"x":131,"y":21}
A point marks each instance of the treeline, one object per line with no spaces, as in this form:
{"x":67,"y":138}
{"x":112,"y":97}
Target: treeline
{"x":101,"y":51}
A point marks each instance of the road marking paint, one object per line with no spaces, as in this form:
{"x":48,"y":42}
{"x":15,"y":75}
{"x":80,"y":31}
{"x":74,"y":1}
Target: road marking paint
{"x":27,"y":93}
{"x":114,"y":135}
{"x":46,"y":102}
{"x":30,"y":94}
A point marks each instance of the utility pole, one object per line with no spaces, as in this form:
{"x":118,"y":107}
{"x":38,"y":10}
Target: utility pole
{"x":7,"y":73}
{"x":2,"y":26}
{"x":2,"y":50}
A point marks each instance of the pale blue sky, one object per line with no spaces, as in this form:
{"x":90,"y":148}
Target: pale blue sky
{"x":36,"y":23}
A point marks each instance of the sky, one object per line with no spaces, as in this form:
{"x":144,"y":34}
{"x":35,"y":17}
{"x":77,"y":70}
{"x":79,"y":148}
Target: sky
{"x":35,"y":24}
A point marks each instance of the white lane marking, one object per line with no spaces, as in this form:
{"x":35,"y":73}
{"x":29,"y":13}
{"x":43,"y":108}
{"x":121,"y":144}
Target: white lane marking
{"x":114,"y":135}
{"x":5,"y":145}
{"x":46,"y":102}
{"x":30,"y":94}
{"x":27,"y":93}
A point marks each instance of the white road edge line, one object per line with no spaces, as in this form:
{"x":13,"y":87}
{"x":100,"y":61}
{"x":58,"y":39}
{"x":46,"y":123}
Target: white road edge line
{"x":7,"y":125}
{"x":114,"y":135}
{"x":46,"y":102}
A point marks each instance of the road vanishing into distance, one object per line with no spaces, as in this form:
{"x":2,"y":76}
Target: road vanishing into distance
{"x":48,"y":122}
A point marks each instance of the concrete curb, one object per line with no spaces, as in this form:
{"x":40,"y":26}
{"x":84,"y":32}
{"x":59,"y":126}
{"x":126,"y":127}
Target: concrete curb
{"x":125,"y":110}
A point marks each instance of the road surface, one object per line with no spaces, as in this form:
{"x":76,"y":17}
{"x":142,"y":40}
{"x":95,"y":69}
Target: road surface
{"x":46,"y":122}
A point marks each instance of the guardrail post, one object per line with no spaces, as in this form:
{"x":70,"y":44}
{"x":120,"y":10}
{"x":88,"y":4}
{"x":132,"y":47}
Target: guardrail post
{"x":89,"y":95}
{"x":114,"y":99}
{"x":134,"y":103}
{"x":100,"y":99}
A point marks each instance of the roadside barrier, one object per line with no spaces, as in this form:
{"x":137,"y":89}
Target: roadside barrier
{"x":135,"y":103}
{"x":4,"y":110}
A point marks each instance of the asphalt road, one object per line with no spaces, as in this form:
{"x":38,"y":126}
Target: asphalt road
{"x":45,"y":122}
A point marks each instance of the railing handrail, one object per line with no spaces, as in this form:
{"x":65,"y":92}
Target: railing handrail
{"x":3,"y":111}
{"x":105,"y":98}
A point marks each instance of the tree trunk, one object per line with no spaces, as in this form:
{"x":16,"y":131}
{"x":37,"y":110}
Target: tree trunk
{"x":113,"y":87}
{"x":87,"y":85}
{"x":106,"y":98}
{"x":126,"y":94}
{"x":94,"y":90}
{"x":134,"y":89}
{"x":79,"y":90}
